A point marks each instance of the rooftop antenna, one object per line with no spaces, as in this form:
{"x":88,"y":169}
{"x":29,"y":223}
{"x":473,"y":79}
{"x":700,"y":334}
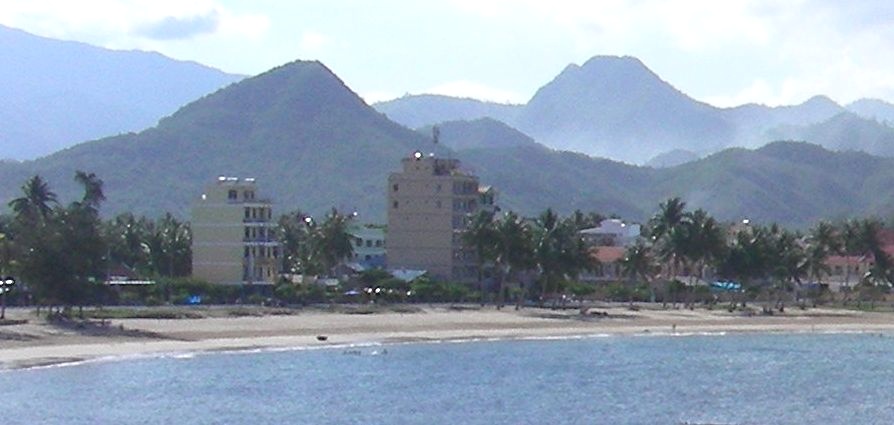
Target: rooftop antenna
{"x":436,"y":137}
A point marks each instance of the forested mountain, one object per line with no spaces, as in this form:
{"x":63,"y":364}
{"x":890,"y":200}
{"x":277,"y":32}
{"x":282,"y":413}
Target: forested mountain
{"x":845,"y":131}
{"x":313,"y":144}
{"x":59,"y":93}
{"x":479,"y":133}
{"x":416,"y":111}
{"x":308,"y":139}
{"x":874,"y":109}
{"x":615,"y":107}
{"x":672,"y":158}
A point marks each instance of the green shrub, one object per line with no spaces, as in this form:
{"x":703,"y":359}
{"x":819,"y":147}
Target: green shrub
{"x":581,"y":290}
{"x":426,"y":290}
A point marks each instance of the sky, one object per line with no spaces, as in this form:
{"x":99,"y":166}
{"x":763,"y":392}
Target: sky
{"x":725,"y":53}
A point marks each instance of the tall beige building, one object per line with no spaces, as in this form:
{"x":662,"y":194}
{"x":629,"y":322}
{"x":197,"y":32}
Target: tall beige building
{"x":233,"y":239}
{"x":429,"y":204}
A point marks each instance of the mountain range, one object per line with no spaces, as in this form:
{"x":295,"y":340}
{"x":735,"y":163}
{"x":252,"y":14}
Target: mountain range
{"x":59,"y":93}
{"x":312,"y":143}
{"x":616,"y":107}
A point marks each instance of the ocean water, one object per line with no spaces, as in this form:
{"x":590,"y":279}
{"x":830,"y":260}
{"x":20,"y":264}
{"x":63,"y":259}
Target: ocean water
{"x":725,"y":379}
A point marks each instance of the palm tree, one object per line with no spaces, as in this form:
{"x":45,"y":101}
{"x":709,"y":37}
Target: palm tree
{"x":748,"y":258}
{"x":816,"y":265}
{"x":861,"y":239}
{"x":559,"y":252}
{"x":295,"y":232}
{"x":823,"y":240}
{"x":706,"y":241}
{"x":332,"y":241}
{"x":169,"y":243}
{"x":670,"y":214}
{"x":127,"y":238}
{"x":511,"y":249}
{"x":638,"y":264}
{"x":790,"y":262}
{"x":36,"y":202}
{"x":481,"y":237}
{"x":5,"y":266}
{"x":826,"y":236}
{"x":669,"y":235}
{"x":93,"y":194}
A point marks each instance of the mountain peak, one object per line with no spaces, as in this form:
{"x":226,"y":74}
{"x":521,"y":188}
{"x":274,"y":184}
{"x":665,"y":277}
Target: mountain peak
{"x":610,"y":60}
{"x":56,"y":92}
{"x":612,"y":101}
{"x":821,"y":101}
{"x":611,"y":67}
{"x":307,"y":90}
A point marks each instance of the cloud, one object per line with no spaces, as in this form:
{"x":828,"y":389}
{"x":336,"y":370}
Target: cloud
{"x":173,"y":28}
{"x":312,"y":41}
{"x":127,"y":23}
{"x":371,"y":97}
{"x":779,"y":52}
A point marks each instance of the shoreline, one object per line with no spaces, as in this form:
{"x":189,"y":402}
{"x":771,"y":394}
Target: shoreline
{"x":40,"y":345}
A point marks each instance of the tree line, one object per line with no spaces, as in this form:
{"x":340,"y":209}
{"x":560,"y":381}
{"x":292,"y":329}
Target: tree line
{"x":63,"y":253}
{"x":677,"y":249}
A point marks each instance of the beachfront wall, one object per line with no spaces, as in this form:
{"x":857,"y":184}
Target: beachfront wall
{"x":234,"y":235}
{"x":429,"y":204}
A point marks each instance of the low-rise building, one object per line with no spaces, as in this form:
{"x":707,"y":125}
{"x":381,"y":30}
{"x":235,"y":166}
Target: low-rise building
{"x":846,"y":271}
{"x":369,"y":246}
{"x":233,"y":235}
{"x":611,"y":232}
{"x":608,"y":264}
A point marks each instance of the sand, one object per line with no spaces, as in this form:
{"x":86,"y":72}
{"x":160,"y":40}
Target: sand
{"x":37,"y":343}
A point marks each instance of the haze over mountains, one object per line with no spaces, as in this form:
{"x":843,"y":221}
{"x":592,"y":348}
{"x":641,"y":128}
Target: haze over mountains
{"x":615,"y":107}
{"x":313,"y":144}
{"x":58,"y":93}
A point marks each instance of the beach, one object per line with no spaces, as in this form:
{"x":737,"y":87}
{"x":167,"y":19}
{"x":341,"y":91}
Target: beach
{"x":38,"y":343}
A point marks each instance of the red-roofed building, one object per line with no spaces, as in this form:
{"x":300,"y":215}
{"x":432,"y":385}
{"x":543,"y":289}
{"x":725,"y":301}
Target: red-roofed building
{"x":608,"y":266}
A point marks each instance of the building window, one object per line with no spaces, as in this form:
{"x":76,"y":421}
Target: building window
{"x":378,"y":243}
{"x":438,"y":204}
{"x":394,"y":187}
{"x":369,"y":244}
{"x":232,"y":195}
{"x":394,"y":205}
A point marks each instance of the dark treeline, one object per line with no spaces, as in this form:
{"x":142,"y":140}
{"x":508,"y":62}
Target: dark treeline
{"x":62,"y":256}
{"x":678,"y":255}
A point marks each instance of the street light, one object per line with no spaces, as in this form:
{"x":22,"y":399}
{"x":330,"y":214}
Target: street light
{"x":6,"y":285}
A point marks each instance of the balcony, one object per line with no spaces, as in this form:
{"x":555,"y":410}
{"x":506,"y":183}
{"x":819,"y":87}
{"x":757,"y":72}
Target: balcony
{"x":260,"y":241}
